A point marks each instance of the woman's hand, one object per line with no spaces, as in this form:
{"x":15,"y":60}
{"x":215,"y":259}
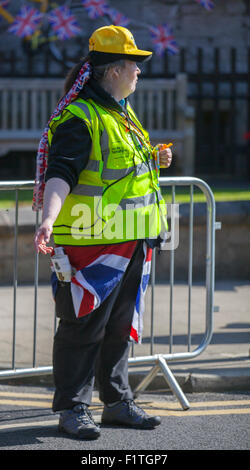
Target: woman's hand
{"x":55,"y":193}
{"x":42,"y":237}
{"x":165,"y":158}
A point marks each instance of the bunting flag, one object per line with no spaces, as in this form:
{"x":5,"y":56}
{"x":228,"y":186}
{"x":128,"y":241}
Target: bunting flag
{"x":95,"y":8}
{"x":117,"y":18}
{"x":4,"y":12}
{"x":64,"y":23}
{"x":4,"y":3}
{"x":26,"y":22}
{"x":163,"y":39}
{"x":207,"y":4}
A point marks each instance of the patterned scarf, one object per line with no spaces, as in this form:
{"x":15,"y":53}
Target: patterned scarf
{"x":42,"y":153}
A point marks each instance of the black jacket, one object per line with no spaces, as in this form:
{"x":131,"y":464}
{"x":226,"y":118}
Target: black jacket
{"x":71,"y":143}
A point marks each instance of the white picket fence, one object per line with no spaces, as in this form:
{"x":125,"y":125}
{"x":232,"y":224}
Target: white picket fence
{"x":161,"y":105}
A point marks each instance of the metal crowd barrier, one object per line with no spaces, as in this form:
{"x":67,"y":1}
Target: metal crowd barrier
{"x":157,"y":361}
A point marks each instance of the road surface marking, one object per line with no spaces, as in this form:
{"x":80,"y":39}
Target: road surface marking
{"x":26,"y":395}
{"x":158,"y":405}
{"x":161,"y":405}
{"x":29,"y":424}
{"x":162,"y":408}
{"x":45,"y":396}
{"x":188,"y":413}
{"x":198,"y":404}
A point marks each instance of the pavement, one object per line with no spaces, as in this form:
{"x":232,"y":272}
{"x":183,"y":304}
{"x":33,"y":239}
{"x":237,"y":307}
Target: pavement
{"x":224,"y":365}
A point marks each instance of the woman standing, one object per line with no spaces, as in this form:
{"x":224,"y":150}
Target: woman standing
{"x":101,"y":176}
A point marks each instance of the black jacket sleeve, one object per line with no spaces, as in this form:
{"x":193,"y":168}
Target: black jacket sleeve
{"x":69,"y":151}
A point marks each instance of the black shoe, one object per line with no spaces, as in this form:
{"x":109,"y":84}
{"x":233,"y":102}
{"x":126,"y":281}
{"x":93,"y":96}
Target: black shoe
{"x":128,"y":413}
{"x":78,"y":422}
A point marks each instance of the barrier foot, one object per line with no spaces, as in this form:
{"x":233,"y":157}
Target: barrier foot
{"x":146,"y":381}
{"x":173,"y":384}
{"x":170,"y":379}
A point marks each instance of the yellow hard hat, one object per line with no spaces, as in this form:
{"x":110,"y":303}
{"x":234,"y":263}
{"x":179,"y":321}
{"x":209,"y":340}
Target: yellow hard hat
{"x":115,"y":42}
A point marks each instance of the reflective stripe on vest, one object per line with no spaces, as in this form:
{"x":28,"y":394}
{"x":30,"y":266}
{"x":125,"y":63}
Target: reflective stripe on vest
{"x":93,"y":165}
{"x":87,"y":190}
{"x":146,"y":200}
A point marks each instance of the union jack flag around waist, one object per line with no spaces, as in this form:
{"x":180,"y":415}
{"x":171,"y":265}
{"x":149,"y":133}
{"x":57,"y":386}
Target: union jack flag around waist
{"x":100,"y":273}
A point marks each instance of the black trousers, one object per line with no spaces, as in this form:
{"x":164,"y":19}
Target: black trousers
{"x":97,"y":345}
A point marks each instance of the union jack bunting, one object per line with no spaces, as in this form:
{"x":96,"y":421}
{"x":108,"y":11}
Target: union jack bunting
{"x":117,"y":18}
{"x":208,"y":4}
{"x":4,"y":3}
{"x":64,"y":23}
{"x":99,"y":270}
{"x":26,"y":22}
{"x":162,"y":37}
{"x":95,"y":8}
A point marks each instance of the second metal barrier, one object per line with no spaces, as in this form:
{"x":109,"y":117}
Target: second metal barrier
{"x":159,"y":361}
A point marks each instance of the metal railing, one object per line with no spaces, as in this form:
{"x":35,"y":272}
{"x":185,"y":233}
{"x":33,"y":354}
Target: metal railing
{"x":157,"y":361}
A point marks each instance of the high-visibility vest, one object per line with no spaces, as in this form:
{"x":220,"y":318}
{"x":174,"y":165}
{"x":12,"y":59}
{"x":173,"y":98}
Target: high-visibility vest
{"x":117,"y":197}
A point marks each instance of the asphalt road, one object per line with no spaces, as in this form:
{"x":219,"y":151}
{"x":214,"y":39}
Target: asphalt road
{"x":214,"y":421}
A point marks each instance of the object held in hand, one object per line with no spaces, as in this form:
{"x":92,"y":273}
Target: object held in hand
{"x":61,"y":265}
{"x":156,"y":151}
